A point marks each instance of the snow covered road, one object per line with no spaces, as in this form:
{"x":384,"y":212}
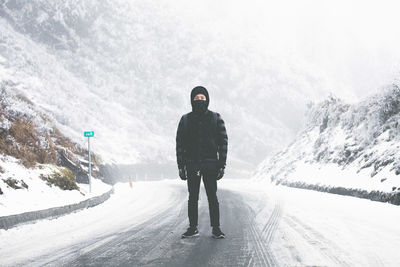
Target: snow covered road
{"x":265,"y":226}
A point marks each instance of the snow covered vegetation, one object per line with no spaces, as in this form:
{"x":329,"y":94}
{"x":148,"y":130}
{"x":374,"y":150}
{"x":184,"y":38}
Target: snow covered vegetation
{"x":346,"y":149}
{"x":39,"y":166}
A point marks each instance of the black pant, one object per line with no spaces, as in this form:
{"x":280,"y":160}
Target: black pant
{"x":210,"y":183}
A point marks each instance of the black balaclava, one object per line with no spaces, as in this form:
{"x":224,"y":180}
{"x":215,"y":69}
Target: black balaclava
{"x":199,"y":106}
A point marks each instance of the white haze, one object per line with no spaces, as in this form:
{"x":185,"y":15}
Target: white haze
{"x":354,"y":43}
{"x":125,"y":68}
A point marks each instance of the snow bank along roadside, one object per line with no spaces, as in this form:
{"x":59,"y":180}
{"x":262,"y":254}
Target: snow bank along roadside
{"x":33,"y":193}
{"x":7,"y":222}
{"x":392,"y":198}
{"x":331,"y":178}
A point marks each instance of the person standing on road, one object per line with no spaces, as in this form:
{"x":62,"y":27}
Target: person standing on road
{"x":201,"y":151}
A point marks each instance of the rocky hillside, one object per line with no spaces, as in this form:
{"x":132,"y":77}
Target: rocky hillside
{"x":29,"y":142}
{"x":352,"y":149}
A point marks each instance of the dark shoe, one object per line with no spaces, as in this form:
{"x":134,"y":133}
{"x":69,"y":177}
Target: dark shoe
{"x":191,"y":232}
{"x":217,"y":233}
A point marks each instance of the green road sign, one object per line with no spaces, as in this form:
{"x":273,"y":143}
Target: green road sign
{"x":89,"y":134}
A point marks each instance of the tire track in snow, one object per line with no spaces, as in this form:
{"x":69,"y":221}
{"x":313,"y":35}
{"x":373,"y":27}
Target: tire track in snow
{"x":259,"y":254}
{"x":263,"y":238}
{"x":327,"y":247}
{"x":272,"y":223}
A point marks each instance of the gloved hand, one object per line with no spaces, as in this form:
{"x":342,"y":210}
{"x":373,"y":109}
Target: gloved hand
{"x":221,"y":173}
{"x":182,"y":173}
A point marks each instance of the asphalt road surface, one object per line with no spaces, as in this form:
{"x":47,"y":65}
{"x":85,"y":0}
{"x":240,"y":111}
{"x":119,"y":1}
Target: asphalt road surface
{"x":157,"y":241}
{"x":264,"y":226}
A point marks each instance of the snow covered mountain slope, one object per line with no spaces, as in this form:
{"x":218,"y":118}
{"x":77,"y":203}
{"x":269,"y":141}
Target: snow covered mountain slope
{"x":125,"y":70}
{"x":39,"y":166}
{"x":344,"y":146}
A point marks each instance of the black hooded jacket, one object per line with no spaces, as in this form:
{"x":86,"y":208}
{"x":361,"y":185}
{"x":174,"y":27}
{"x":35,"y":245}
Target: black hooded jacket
{"x":202,"y":137}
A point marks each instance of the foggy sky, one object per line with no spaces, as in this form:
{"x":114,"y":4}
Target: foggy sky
{"x":353,"y":43}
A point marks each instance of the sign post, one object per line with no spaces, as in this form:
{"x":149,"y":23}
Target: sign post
{"x":88,"y":135}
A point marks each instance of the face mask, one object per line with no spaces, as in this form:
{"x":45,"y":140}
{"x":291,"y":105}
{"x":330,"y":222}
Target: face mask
{"x":199,"y":106}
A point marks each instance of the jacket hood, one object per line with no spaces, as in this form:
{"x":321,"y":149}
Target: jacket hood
{"x":199,"y":90}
